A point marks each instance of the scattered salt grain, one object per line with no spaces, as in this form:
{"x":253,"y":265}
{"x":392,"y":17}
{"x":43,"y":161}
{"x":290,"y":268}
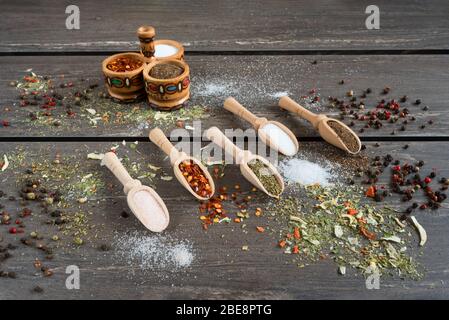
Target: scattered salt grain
{"x":305,"y":172}
{"x":156,"y":253}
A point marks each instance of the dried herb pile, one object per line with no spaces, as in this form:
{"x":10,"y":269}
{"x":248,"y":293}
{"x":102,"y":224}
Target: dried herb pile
{"x":338,"y":226}
{"x":57,"y":103}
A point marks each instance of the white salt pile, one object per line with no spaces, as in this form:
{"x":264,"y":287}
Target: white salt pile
{"x":164,"y":50}
{"x":305,"y":172}
{"x":151,"y":252}
{"x":280,"y":138}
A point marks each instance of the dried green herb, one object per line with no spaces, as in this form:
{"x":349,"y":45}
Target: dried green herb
{"x":265,"y":176}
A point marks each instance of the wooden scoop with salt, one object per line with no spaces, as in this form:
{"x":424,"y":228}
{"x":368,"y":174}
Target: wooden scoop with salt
{"x":143,"y":201}
{"x":274,"y":134}
{"x":201,"y":192}
{"x":243,"y":157}
{"x":333,"y":131}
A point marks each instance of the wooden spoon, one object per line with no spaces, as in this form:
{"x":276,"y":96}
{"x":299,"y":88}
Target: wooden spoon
{"x":242,"y":157}
{"x":232,"y":105}
{"x":136,"y":194}
{"x":321,"y":123}
{"x":176,"y":157}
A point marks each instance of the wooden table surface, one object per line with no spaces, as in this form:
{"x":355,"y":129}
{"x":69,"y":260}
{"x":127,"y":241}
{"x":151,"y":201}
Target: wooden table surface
{"x":255,"y":51}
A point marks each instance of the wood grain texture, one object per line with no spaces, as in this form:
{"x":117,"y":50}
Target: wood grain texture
{"x":255,"y":81}
{"x":220,"y":269}
{"x":230,"y":25}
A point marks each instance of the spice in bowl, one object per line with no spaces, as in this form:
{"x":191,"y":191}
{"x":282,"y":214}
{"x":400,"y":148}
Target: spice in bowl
{"x":265,"y":176}
{"x":124,"y":64}
{"x":166,"y":71}
{"x":196,"y":178}
{"x":345,"y":135}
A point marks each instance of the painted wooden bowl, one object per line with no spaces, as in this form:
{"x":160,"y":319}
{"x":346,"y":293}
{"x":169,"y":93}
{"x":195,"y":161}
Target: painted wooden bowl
{"x":127,"y":85}
{"x":171,"y":93}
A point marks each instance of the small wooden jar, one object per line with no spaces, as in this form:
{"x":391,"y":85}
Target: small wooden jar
{"x":146,"y":38}
{"x":128,"y":85}
{"x":167,"y":94}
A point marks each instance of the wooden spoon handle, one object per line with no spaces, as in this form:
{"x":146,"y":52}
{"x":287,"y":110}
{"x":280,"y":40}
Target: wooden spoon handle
{"x":236,"y":108}
{"x":158,"y":138}
{"x":290,"y":105}
{"x":218,"y":137}
{"x":111,"y":161}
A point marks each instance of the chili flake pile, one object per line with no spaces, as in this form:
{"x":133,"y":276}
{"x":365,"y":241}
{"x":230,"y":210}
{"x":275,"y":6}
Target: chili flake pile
{"x":196,"y":178}
{"x":235,"y":201}
{"x":124,"y":64}
{"x":353,"y":234}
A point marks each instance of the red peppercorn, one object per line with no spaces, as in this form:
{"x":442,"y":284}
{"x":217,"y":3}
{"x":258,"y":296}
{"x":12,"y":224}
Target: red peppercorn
{"x":13,"y":230}
{"x":396,"y":168}
{"x":427,"y":180}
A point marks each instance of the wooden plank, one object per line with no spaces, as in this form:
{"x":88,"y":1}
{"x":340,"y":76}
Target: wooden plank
{"x":220,"y":269}
{"x":234,"y":25}
{"x":256,"y":81}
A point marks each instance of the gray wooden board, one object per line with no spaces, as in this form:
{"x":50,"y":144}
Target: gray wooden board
{"x":220,"y":268}
{"x":256,"y":81}
{"x":230,"y":25}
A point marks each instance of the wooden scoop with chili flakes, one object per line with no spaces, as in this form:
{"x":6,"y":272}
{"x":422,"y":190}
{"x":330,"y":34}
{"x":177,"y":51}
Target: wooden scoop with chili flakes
{"x":189,"y":171}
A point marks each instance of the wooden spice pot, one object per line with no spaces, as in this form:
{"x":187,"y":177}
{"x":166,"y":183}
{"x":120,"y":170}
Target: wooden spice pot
{"x":167,"y":94}
{"x":128,"y":85}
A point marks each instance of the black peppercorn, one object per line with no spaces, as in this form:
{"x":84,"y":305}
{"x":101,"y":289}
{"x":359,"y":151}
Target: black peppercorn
{"x":378,"y":197}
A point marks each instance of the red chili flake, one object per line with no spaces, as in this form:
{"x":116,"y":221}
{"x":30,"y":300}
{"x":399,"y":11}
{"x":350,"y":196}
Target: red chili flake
{"x":371,"y":192}
{"x":367,"y":234}
{"x":260,"y":229}
{"x":352,"y":212}
{"x":282,"y":243}
{"x":295,"y":250}
{"x":296,"y":233}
